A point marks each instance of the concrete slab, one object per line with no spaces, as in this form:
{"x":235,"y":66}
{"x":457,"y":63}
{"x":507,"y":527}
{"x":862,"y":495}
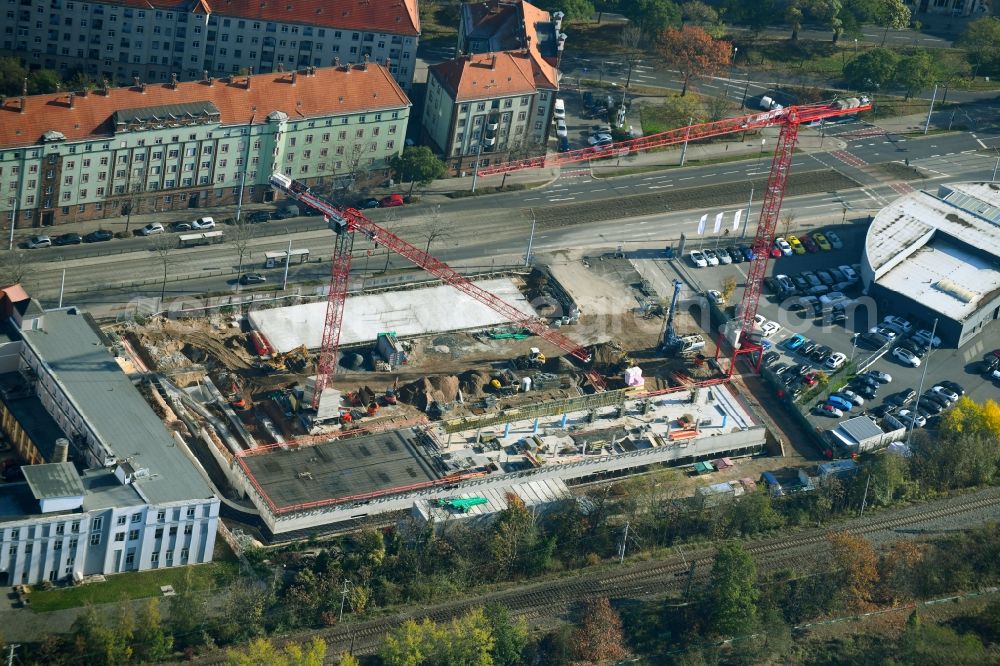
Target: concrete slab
{"x":408,"y":313}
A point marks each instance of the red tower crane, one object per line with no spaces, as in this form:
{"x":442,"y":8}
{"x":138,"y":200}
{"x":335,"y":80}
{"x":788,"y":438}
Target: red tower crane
{"x":788,"y":118}
{"x":345,"y":222}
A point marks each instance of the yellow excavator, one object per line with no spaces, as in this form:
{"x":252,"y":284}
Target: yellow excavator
{"x":294,"y":360}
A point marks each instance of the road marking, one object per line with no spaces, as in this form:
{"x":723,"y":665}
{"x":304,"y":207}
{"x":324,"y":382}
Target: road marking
{"x":688,"y":178}
{"x":659,"y":187}
{"x":726,"y":173}
{"x":822,"y":205}
{"x":980,"y":142}
{"x":563,"y":199}
{"x":532,"y":199}
{"x":603,"y":189}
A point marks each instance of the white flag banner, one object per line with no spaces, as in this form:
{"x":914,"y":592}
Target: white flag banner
{"x":718,"y":222}
{"x":736,"y":219}
{"x":701,"y":224}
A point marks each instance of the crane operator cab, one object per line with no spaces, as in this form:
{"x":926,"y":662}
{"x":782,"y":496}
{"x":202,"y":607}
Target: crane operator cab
{"x":337,"y":224}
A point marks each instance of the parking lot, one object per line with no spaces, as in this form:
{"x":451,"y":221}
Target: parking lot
{"x":942,"y":364}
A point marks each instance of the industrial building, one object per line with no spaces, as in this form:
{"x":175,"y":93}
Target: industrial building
{"x":67,"y":157}
{"x":495,"y":100}
{"x":935,"y":256}
{"x":118,"y":41}
{"x":106,"y":488}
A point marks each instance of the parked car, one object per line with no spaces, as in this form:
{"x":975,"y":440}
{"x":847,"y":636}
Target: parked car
{"x":715,"y":296}
{"x":369,"y":203}
{"x":769,"y":358}
{"x":795,"y":342}
{"x":747,"y":252}
{"x":909,"y":417}
{"x":98,"y":236}
{"x":865,"y":390}
{"x":559,"y":109}
{"x":843,"y":404}
{"x":849,"y":273}
{"x":772,"y":286}
{"x":825,"y":278}
{"x":561,"y":129}
{"x":36,"y":242}
{"x":880,"y":376}
{"x":710,"y":257}
{"x":954,"y":387}
{"x":796,"y":245}
{"x":835,"y":360}
{"x":258,"y":216}
{"x":930,"y":408}
{"x":723,"y":256}
{"x":835,"y":240}
{"x":807,"y":347}
{"x":786,"y":283}
{"x":917,"y":349}
{"x":600,"y":129}
{"x":600,"y":140}
{"x":821,"y":241}
{"x":898,"y":323}
{"x":887,"y":333}
{"x":783,"y":246}
{"x":930,"y":396}
{"x":945,"y":392}
{"x":781,"y":369}
{"x":809,"y":244}
{"x":924,"y":337}
{"x":563,"y":144}
{"x":826,"y":409}
{"x":769,"y":328}
{"x":180,"y":226}
{"x":734,"y":254}
{"x":69,"y":239}
{"x":151,"y":229}
{"x":203,"y":223}
{"x":698,"y":259}
{"x":812,"y":279}
{"x":884,"y":410}
{"x":906,"y":357}
{"x":252,"y":278}
{"x":852,"y":396}
{"x":904,"y":397}
{"x":391,"y":201}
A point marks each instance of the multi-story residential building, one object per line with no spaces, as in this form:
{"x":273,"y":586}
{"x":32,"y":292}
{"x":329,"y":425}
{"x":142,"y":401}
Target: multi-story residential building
{"x":139,"y":502}
{"x":963,"y":8}
{"x":494,"y":101}
{"x":152,"y":40}
{"x":77,"y":156}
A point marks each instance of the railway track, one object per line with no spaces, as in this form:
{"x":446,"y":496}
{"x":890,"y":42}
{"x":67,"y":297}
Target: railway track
{"x":640,"y":580}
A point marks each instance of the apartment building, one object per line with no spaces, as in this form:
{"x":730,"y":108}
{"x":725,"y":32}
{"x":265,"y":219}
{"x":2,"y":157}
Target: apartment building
{"x":154,"y":40}
{"x":494,"y":101}
{"x":71,"y":156}
{"x":111,"y":489}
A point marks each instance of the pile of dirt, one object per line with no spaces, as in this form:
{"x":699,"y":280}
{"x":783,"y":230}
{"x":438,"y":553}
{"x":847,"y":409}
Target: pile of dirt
{"x":472,"y":384}
{"x":610,"y":358}
{"x":436,"y":388}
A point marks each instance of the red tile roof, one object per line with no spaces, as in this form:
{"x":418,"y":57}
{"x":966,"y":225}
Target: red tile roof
{"x":489,"y":75}
{"x":329,"y":90}
{"x":389,"y":16}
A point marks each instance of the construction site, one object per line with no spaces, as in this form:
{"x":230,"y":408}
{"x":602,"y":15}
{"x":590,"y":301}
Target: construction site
{"x":360,"y":406}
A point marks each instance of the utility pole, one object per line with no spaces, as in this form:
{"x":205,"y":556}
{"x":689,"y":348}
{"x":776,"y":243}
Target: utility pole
{"x":246,"y":165}
{"x":531,"y":238}
{"x":746,"y":221}
{"x":920,"y":390}
{"x":865,"y":498}
{"x":621,"y":559}
{"x":927,"y":125}
{"x":288,"y":261}
{"x":995,"y":167}
{"x":10,"y":654}
{"x":343,"y":598}
{"x":687,"y":133}
{"x":475,"y":170}
{"x":62,"y":287}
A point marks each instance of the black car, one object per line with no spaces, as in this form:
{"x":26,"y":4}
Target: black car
{"x":882,"y":410}
{"x":930,"y":397}
{"x":801,"y":283}
{"x":98,"y":236}
{"x":258,"y":216}
{"x":808,"y":347}
{"x":734,"y":254}
{"x":769,"y":358}
{"x":918,"y":350}
{"x":866,"y":391}
{"x":772,"y":286}
{"x":370,"y":203}
{"x":180,"y":226}
{"x":252,"y":278}
{"x":821,"y":353}
{"x":825,"y":278}
{"x":866,"y":380}
{"x":904,"y":397}
{"x":781,"y":369}
{"x":836,"y":275}
{"x":286,"y":211}
{"x":953,"y":386}
{"x":68,"y":239}
{"x":929,"y":407}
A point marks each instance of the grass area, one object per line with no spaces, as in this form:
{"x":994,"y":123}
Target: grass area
{"x":592,"y":37}
{"x":134,"y":585}
{"x":629,"y":171}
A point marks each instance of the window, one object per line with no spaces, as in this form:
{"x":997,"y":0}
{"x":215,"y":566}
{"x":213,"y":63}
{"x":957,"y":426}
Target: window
{"x":95,"y":539}
{"x":15,"y":535}
{"x":57,"y":545}
{"x":73,"y":543}
{"x":133,"y":535}
{"x":161,"y":515}
{"x":154,"y":557}
{"x":136,"y":517}
{"x":184,"y":554}
{"x":130,"y":557}
{"x":75,"y":527}
{"x":188,"y":529}
{"x":60,"y":529}
{"x":122,"y":519}
{"x":119,"y":536}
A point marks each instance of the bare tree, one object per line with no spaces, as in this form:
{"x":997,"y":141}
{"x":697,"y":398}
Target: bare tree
{"x":161,"y":245}
{"x":242,"y":234}
{"x":787,"y":220}
{"x":631,"y":38}
{"x":13,"y":267}
{"x":133,"y":200}
{"x":434,"y":228}
{"x":718,"y":108}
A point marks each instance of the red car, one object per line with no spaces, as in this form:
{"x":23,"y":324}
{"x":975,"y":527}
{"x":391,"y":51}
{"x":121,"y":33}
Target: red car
{"x":810,"y":379}
{"x":391,"y":200}
{"x":809,"y":243}
{"x":775,"y":251}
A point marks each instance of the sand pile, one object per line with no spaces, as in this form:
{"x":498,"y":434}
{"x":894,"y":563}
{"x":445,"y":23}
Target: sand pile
{"x":436,"y":388}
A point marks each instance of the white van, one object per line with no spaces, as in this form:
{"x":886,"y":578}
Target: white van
{"x":559,"y":110}
{"x":203,"y":223}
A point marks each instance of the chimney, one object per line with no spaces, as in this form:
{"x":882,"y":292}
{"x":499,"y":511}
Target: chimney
{"x":295,"y":75}
{"x":249,"y":74}
{"x":336,"y":62}
{"x":388,"y":63}
{"x":173,"y":80}
{"x":23,"y":100}
{"x":136,"y":81}
{"x":204,"y":75}
{"x":493,"y":62}
{"x":281,"y":66}
{"x":61,"y":452}
{"x":106,"y":85}
{"x":210,"y":80}
{"x":364,"y":65}
{"x":71,"y":97}
{"x":24,"y":94}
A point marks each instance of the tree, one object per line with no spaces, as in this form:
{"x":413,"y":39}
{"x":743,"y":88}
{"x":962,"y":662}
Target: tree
{"x":897,"y":571}
{"x":132,"y":201}
{"x":467,"y":640}
{"x":677,"y":111}
{"x":162,"y":245}
{"x":575,"y":10}
{"x":631,"y":39}
{"x":598,"y":637}
{"x":261,"y":652}
{"x":510,"y":637}
{"x":915,"y":72}
{"x":242,"y":233}
{"x":43,"y":81}
{"x":12,"y":75}
{"x":939,"y":644}
{"x":787,"y":220}
{"x":14,"y":267}
{"x":891,"y":14}
{"x":652,"y":16}
{"x":187,"y":613}
{"x":793,"y":17}
{"x":418,"y":165}
{"x":872,"y":69}
{"x":981,"y":38}
{"x":434,"y":228}
{"x":693,"y":52}
{"x":699,"y":13}
{"x":857,"y":566}
{"x":732,"y":595}
{"x":513,"y":535}
{"x":150,"y":642}
{"x":97,"y":644}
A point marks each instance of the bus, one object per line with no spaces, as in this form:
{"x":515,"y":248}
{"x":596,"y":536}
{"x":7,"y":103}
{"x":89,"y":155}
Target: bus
{"x":272,"y":259}
{"x":201,"y":238}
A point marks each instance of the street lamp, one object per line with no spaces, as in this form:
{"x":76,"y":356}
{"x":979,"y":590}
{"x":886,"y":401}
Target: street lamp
{"x":732,"y":63}
{"x":855,"y":46}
